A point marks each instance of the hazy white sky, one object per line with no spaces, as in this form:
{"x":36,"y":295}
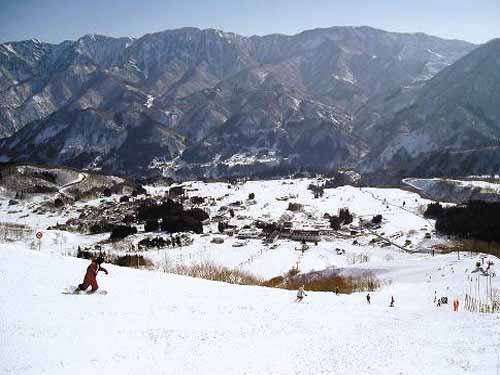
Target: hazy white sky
{"x":56,"y":20}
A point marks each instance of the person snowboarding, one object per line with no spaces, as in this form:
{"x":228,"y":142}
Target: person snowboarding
{"x":392,"y":302}
{"x":300,"y":294}
{"x":368,"y":298}
{"x":90,"y":278}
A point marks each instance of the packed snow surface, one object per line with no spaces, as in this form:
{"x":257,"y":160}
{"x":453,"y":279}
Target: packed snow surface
{"x":155,"y":323}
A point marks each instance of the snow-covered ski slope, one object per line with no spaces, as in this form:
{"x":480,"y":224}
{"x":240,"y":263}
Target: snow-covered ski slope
{"x":156,"y":323}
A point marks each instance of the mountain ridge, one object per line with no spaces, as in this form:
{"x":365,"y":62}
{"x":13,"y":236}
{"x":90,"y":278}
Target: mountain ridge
{"x":278,"y":98}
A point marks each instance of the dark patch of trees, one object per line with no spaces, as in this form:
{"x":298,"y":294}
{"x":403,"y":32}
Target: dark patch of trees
{"x":339,"y":179}
{"x":152,"y":226}
{"x":152,"y":211}
{"x":345,"y":216}
{"x":377,"y":219}
{"x":251,"y":196}
{"x":198,"y":214}
{"x":101,"y":227}
{"x":317,"y":190}
{"x":335,"y":222}
{"x":128,"y":219}
{"x":124,"y":199}
{"x":181,"y":223}
{"x":174,"y":217}
{"x":157,"y":242}
{"x":434,"y":210}
{"x":122,"y":231}
{"x":106,"y":192}
{"x":175,"y":191}
{"x":476,"y":220}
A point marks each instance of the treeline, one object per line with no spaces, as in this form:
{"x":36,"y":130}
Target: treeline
{"x":476,"y":220}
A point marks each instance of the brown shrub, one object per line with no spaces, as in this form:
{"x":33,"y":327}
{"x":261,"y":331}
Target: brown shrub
{"x":327,"y":283}
{"x":275,"y":282}
{"x":210,"y":271}
{"x":135,"y":261}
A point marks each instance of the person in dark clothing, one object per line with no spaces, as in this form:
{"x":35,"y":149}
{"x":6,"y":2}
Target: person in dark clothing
{"x":368,"y":298}
{"x":392,"y":302}
{"x":300,"y":294}
{"x":90,"y":278}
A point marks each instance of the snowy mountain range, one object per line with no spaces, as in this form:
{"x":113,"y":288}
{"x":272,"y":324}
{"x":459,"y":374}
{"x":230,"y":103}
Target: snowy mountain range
{"x":205,"y":102}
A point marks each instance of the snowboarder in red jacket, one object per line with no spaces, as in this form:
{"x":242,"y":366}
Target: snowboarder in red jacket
{"x":91,"y":275}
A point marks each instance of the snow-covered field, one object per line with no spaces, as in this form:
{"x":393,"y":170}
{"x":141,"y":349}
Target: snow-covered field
{"x":156,"y":323}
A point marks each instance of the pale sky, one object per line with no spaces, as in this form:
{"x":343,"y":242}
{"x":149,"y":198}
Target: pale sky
{"x":56,"y":20}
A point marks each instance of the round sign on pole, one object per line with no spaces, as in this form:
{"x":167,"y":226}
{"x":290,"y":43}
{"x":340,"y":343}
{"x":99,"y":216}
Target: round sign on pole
{"x":39,"y":235}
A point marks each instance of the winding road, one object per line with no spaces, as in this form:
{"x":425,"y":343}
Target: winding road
{"x":81,"y":178}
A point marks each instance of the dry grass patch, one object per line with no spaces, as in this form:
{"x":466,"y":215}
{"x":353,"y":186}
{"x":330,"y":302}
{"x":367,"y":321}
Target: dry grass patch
{"x":210,"y":271}
{"x":324,"y":282}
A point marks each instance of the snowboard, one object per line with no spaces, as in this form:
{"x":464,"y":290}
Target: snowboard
{"x":73,"y":290}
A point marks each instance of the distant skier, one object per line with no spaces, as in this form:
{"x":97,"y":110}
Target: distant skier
{"x":300,"y":294}
{"x":392,"y":302}
{"x":368,"y":298}
{"x":91,"y":275}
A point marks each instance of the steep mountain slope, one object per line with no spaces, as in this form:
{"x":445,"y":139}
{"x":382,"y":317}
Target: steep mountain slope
{"x":452,"y":126}
{"x":218,"y":95}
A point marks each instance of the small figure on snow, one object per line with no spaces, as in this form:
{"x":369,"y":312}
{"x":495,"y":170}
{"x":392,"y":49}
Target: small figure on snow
{"x":90,"y":278}
{"x":392,"y":302}
{"x":300,"y":294}
{"x":368,"y":298}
